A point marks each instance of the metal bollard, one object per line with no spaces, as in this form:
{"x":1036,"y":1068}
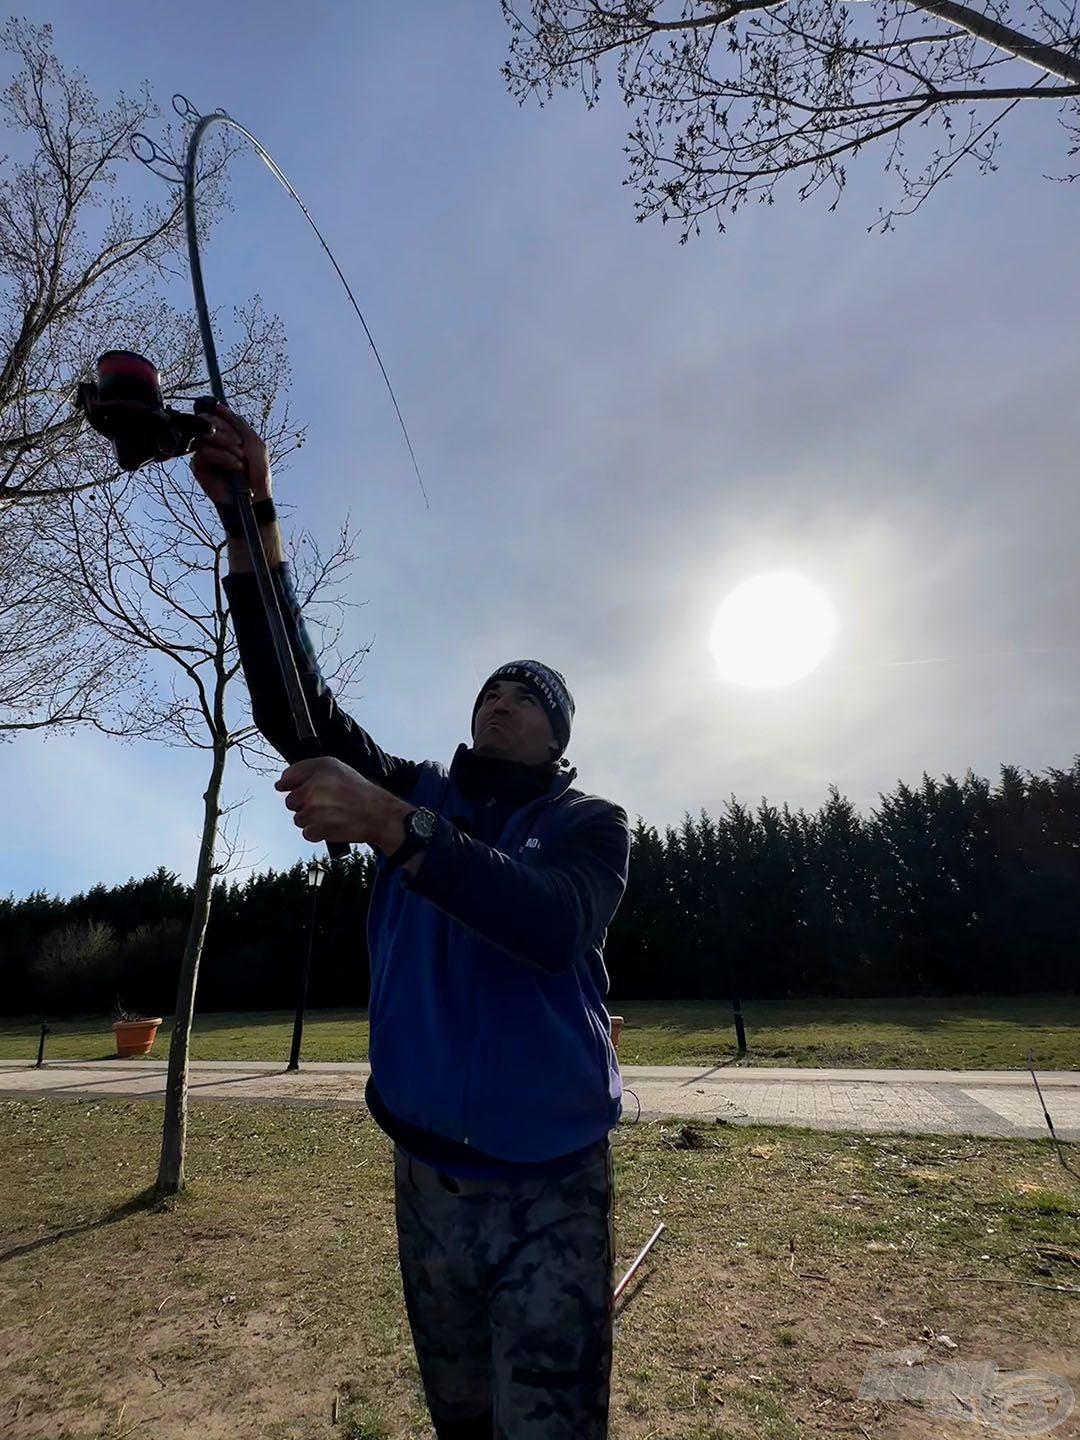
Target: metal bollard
{"x":41,"y":1047}
{"x":740,"y":1029}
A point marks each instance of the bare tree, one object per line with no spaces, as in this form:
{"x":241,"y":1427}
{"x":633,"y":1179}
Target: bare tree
{"x":53,"y":673}
{"x":108,"y":582}
{"x":731,"y":97}
{"x":81,"y":270}
{"x":81,"y":265}
{"x":55,"y":670}
{"x":147,"y":556}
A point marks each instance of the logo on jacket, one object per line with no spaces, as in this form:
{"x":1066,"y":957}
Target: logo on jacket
{"x":531,"y":844}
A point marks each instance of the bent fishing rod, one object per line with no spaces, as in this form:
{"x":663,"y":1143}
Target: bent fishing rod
{"x":125,"y":401}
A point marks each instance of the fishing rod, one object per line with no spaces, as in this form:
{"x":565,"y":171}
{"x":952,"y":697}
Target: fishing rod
{"x":125,"y":401}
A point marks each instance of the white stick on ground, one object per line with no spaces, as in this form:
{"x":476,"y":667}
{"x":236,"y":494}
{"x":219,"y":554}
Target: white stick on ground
{"x":634,"y":1267}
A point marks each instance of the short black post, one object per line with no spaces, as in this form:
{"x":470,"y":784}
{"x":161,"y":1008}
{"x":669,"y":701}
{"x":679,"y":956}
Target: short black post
{"x":315,"y":871}
{"x":41,"y":1047}
{"x":740,"y":1029}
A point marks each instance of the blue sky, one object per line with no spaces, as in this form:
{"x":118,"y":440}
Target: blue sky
{"x":615,"y":430}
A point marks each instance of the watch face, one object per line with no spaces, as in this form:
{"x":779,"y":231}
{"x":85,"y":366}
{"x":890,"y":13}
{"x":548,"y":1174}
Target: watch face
{"x":423,"y":824}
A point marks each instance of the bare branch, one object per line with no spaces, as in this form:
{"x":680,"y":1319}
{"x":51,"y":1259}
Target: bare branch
{"x":80,"y":264}
{"x":730,"y":101}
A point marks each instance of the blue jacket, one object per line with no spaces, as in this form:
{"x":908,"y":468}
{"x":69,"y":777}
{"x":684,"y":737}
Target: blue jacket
{"x":488,"y":1024}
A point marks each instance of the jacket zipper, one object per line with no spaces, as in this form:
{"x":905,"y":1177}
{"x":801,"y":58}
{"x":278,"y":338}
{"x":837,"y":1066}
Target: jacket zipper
{"x":519,"y":825}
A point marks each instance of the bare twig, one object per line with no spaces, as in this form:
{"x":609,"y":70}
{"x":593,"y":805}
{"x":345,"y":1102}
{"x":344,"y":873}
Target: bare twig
{"x":152,"y":1368}
{"x":1010,"y":1280}
{"x":1058,"y":1252}
{"x":801,"y":1274}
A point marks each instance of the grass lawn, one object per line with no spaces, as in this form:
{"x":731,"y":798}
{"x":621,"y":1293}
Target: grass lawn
{"x":793,"y":1262}
{"x":970,"y":1033}
{"x":935,"y":1034}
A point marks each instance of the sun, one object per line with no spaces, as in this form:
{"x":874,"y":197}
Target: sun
{"x":772,"y":630}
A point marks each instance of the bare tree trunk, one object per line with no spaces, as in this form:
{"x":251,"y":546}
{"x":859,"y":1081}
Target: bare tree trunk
{"x":170,"y":1179}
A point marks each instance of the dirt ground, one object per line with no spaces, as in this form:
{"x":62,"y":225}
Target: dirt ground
{"x":939,"y":1278}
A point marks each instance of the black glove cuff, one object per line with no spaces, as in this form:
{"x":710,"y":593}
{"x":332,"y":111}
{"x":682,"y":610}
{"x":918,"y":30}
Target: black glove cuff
{"x":263,"y":511}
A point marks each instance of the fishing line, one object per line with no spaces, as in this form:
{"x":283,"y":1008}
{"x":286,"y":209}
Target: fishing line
{"x":155,"y":156}
{"x":957,"y":659}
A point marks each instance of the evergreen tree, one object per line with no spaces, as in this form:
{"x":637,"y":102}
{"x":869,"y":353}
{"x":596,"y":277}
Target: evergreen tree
{"x":947,"y":887}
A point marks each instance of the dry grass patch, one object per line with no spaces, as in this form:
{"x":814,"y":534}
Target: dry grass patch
{"x":793,"y":1260}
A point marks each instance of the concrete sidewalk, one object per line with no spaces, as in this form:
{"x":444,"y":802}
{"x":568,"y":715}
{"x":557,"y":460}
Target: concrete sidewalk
{"x":932,"y":1102}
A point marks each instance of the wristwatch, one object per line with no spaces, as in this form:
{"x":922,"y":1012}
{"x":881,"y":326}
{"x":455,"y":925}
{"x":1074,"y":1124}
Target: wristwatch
{"x":419,"y":828}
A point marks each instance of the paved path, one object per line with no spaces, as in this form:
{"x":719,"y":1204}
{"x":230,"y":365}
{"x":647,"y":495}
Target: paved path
{"x":935,"y":1102}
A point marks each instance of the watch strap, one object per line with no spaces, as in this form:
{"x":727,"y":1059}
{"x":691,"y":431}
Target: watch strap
{"x":413,"y":843}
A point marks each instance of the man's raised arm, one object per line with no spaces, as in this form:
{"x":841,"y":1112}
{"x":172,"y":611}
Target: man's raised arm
{"x":230,"y":444}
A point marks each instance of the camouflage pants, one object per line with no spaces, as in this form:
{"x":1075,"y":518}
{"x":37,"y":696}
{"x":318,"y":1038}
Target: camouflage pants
{"x":508,"y":1290}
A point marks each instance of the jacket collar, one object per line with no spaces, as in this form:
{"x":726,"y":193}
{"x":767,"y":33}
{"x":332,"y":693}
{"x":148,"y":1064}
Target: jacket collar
{"x":561,"y":780}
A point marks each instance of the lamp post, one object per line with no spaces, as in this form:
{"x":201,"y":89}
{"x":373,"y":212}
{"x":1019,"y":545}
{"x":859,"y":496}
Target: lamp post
{"x":315,"y":871}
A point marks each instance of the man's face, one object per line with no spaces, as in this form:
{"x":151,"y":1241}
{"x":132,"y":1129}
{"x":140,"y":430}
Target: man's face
{"x":511,"y":724}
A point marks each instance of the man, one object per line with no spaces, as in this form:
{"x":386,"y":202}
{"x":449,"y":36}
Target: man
{"x":492,"y":1068}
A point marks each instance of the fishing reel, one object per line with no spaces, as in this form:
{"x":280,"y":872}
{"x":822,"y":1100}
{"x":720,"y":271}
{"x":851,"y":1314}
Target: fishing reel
{"x":125,"y":404}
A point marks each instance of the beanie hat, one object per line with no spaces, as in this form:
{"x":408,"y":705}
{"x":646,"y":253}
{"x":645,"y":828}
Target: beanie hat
{"x":547,"y":685}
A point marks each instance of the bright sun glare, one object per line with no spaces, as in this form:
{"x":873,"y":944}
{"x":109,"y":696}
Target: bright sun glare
{"x":772,"y":630}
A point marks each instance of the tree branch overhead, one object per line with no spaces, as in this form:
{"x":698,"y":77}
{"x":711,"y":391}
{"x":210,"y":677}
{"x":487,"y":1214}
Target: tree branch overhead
{"x":730,"y":102}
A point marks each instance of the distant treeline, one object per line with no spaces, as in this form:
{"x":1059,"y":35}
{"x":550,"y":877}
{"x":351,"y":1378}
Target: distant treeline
{"x":950,"y":887}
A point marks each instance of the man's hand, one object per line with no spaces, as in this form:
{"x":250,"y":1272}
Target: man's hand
{"x":333,"y":802}
{"x":229,"y":444}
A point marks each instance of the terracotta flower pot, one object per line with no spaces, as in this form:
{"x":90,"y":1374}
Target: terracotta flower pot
{"x":135,"y":1037}
{"x":616,"y":1029}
